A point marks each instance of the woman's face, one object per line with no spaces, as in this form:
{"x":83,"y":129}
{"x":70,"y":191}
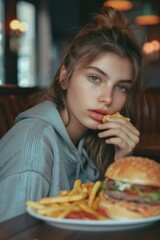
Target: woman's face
{"x":98,"y":89}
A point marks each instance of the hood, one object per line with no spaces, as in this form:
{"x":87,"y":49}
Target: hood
{"x":47,"y":112}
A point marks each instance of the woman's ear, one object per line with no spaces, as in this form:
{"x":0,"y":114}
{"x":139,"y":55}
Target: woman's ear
{"x":63,"y":81}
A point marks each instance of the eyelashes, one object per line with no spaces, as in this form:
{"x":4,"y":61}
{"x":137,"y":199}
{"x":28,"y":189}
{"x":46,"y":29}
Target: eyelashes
{"x":118,"y":85}
{"x":123,"y":88}
{"x":94,"y":78}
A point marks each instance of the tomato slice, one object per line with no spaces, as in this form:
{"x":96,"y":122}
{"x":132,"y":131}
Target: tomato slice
{"x":131,"y":192}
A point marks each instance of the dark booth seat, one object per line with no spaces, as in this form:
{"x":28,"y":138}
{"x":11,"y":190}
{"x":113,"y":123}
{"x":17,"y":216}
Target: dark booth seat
{"x":148,"y":123}
{"x":13,"y":100}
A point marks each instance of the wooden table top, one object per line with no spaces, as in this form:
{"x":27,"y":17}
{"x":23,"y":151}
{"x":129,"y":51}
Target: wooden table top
{"x":25,"y":227}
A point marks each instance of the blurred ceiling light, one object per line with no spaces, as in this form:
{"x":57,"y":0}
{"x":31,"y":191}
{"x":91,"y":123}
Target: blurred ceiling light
{"x":16,"y":25}
{"x":148,"y":16}
{"x":147,"y":20}
{"x":150,"y":47}
{"x":17,"y":29}
{"x":156,"y":45}
{"x":147,"y":48}
{"x":122,"y":5}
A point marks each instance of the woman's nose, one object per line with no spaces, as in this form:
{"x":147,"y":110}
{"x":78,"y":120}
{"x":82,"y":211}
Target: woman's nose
{"x":106,"y":96}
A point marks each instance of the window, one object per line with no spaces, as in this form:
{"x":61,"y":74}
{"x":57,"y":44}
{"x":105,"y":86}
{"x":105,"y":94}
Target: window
{"x":27,"y":50}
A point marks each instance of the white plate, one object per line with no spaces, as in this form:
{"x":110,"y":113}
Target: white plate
{"x":94,"y":225}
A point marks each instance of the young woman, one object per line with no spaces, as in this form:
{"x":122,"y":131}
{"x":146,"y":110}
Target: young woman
{"x":62,"y":138}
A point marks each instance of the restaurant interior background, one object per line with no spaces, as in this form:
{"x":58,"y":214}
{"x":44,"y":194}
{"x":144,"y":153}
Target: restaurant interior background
{"x":35,"y":33}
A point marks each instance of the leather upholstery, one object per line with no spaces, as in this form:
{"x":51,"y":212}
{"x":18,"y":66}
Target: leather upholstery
{"x":13,"y":100}
{"x":148,"y":122}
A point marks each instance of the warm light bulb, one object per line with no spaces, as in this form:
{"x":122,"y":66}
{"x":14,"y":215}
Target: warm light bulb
{"x":156,"y":45}
{"x":147,"y":20}
{"x":14,"y":24}
{"x":23,"y":27}
{"x":147,"y":48}
{"x":121,"y":5}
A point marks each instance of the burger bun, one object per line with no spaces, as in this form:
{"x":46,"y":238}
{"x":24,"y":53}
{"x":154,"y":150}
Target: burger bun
{"x":135,"y":170}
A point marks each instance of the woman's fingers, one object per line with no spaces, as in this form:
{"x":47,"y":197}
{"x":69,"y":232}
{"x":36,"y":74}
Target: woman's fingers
{"x":122,"y":134}
{"x":118,"y":122}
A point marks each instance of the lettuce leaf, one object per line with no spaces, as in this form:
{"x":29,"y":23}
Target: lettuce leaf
{"x":153,"y":196}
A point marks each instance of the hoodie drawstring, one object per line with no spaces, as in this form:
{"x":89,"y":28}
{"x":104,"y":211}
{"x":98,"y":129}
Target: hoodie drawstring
{"x":93,"y":176}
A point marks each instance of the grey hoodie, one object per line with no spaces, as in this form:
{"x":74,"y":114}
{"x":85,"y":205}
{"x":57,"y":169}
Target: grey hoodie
{"x":37,"y":159}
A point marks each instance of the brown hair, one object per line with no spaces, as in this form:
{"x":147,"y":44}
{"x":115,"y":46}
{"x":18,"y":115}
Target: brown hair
{"x":107,"y":31}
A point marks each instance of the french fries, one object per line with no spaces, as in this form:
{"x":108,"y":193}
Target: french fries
{"x":118,"y":115}
{"x":82,"y":198}
{"x":63,"y":199}
{"x":93,"y":193}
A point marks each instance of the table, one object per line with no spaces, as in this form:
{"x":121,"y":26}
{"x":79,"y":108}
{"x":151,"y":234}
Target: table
{"x":25,"y":227}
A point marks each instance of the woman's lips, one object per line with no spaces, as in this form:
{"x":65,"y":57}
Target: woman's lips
{"x":97,"y":114}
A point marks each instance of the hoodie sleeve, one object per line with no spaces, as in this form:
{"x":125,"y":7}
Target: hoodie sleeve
{"x":25,"y":166}
{"x":19,"y":188}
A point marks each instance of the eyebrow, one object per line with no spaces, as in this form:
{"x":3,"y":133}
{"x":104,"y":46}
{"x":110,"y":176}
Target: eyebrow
{"x":106,"y":75}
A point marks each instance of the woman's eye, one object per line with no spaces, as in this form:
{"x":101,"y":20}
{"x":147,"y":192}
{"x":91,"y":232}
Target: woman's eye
{"x":94,"y":78}
{"x":122,"y":88}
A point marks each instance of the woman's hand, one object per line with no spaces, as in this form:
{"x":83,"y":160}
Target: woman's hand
{"x":121,"y":133}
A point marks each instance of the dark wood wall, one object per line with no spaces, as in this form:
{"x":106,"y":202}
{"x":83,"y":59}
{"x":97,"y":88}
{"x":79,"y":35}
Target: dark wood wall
{"x":10,"y":57}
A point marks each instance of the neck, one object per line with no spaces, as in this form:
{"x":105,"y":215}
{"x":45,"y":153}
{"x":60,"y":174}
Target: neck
{"x":75,"y":130}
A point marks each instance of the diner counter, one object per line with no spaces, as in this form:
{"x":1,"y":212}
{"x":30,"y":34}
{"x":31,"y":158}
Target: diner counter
{"x":25,"y":227}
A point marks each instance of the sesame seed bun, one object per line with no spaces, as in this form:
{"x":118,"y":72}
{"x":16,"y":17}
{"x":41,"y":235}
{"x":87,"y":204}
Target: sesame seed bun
{"x":135,"y":170}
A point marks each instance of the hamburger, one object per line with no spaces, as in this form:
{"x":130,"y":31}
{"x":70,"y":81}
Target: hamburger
{"x":118,"y":115}
{"x":131,"y":189}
